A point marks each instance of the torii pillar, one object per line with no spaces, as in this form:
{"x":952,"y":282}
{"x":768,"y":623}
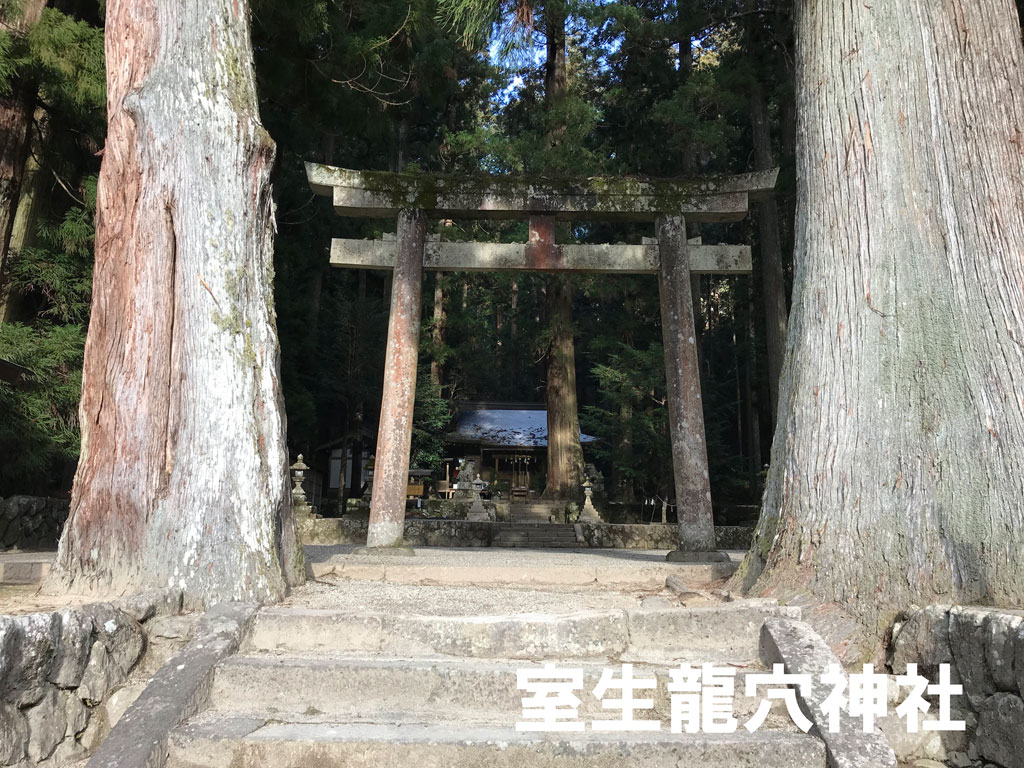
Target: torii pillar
{"x":685,"y":405}
{"x":386,"y":534}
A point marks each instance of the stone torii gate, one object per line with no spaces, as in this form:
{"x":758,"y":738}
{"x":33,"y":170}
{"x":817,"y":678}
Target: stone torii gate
{"x":413,"y":198}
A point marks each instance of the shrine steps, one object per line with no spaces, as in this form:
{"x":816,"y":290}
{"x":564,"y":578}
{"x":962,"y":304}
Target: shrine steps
{"x":536,"y":535}
{"x":369,"y":675}
{"x":416,"y":688}
{"x":536,"y":511}
{"x":725,"y":631}
{"x":221,"y":741}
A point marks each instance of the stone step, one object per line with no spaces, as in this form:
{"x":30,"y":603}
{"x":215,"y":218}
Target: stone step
{"x":724,"y":631}
{"x":374,"y":688}
{"x":641,"y":575}
{"x":20,"y":568}
{"x":534,"y":537}
{"x":215,"y":741}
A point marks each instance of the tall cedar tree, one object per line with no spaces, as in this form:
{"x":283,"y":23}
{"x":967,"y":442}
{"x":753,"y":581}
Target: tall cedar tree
{"x":897,"y":475}
{"x":183,"y":476}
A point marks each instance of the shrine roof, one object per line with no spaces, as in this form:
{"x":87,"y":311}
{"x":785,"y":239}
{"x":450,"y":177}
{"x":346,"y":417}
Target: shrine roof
{"x":503,"y":425}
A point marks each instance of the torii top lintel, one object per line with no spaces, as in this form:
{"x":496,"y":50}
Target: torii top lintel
{"x":383,"y":194}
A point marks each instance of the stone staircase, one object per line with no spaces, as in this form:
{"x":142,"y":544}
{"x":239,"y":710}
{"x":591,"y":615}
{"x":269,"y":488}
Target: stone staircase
{"x":537,"y":512}
{"x":360,"y":675}
{"x":536,"y":536}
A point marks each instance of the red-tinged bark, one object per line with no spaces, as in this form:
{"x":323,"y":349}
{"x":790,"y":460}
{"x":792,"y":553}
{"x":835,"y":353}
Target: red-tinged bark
{"x":183,"y":473}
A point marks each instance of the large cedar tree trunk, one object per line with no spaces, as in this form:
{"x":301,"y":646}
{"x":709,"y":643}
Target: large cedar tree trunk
{"x":565,"y":454}
{"x":897,"y":474}
{"x":183,"y":475}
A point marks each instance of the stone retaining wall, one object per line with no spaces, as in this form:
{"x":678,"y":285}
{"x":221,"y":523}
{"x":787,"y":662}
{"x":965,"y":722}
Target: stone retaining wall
{"x":31,"y":522}
{"x":419,"y":532}
{"x":655,"y":536}
{"x":58,"y":671}
{"x":423,"y":532}
{"x":985,"y":649}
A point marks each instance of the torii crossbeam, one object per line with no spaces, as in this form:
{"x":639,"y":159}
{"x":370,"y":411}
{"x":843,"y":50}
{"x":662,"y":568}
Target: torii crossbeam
{"x":413,"y":198}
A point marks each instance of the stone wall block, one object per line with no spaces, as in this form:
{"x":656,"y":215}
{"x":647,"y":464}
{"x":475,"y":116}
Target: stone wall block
{"x":120,"y":634}
{"x":118,"y":647}
{"x":47,"y":724}
{"x":8,"y":638}
{"x":36,"y":640}
{"x":76,"y":714}
{"x":967,"y":636}
{"x":99,"y":677}
{"x":1001,"y":633}
{"x":1018,"y":659}
{"x":923,"y":640}
{"x":72,"y":651}
{"x":1000,"y":733}
{"x":31,"y":521}
{"x":13,"y":734}
{"x":156,"y":602}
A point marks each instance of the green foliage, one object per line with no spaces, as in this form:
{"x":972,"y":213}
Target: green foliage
{"x":39,"y":431}
{"x":429,"y":422}
{"x":631,"y":420}
{"x":60,"y":62}
{"x":394,"y":84}
{"x":58,"y":272}
{"x":65,"y":56}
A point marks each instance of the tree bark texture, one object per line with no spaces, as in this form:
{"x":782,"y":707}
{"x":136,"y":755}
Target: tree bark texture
{"x":394,"y":438}
{"x":16,"y":110}
{"x":437,"y":331}
{"x":183,"y":477}
{"x":773,"y":279}
{"x":565,"y":454}
{"x":897,"y":474}
{"x":682,"y":379}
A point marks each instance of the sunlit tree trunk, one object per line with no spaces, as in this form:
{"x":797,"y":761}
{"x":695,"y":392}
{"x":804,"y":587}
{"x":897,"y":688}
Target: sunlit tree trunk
{"x":897,"y":475}
{"x":183,"y":473}
{"x":437,"y":331}
{"x":565,"y":454}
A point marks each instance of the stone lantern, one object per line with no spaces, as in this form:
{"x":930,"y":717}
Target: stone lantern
{"x":300,"y":505}
{"x":298,"y":475}
{"x":589,"y":512}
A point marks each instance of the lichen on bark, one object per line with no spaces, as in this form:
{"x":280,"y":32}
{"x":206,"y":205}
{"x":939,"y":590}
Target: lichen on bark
{"x":897,"y":475}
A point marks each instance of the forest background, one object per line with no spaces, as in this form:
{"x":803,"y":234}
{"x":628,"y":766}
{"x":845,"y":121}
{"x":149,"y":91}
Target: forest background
{"x":652,"y":87}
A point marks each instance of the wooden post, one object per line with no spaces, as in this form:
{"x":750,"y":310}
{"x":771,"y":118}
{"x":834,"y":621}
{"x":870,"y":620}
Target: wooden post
{"x":394,"y":437}
{"x":685,"y":407}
